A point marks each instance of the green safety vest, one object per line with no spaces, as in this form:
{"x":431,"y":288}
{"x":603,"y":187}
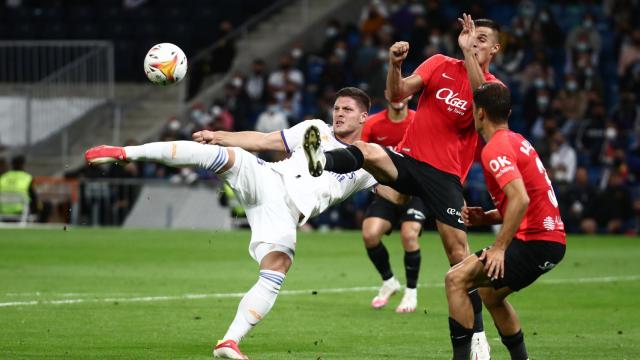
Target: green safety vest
{"x":14,"y":181}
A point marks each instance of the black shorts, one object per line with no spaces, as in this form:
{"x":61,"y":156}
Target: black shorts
{"x":414,"y":210}
{"x":525,"y":261}
{"x":441,"y":192}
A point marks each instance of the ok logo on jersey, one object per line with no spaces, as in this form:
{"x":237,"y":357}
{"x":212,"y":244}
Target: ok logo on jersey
{"x":498,"y":163}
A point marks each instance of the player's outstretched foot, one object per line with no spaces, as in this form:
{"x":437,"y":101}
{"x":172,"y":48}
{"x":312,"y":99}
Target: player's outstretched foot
{"x":388,"y":288}
{"x":409,"y":301}
{"x":313,"y":151}
{"x":228,"y":349}
{"x":480,"y":349}
{"x":104,"y":154}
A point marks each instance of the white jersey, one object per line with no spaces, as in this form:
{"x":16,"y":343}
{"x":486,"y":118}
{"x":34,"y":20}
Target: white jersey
{"x":313,"y":195}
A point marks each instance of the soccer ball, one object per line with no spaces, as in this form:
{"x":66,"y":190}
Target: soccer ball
{"x":165,"y":64}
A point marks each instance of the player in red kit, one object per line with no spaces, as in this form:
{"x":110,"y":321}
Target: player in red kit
{"x":434,"y":157}
{"x":387,"y":128}
{"x":531,"y":241}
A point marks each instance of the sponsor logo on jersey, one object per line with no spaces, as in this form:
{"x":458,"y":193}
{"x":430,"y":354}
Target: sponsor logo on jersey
{"x":444,"y":75}
{"x":450,"y":98}
{"x":500,"y":165}
{"x":549,"y":223}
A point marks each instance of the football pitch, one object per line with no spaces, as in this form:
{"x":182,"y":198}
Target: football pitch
{"x":143,"y":294}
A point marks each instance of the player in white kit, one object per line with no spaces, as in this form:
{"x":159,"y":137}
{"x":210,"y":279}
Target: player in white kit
{"x":277,"y":197}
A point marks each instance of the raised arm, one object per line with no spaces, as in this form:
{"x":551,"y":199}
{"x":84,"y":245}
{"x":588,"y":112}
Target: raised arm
{"x":466,"y":41}
{"x":248,"y":140}
{"x":399,"y":87}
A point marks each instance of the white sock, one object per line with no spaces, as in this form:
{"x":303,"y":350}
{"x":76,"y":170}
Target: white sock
{"x":180,"y":154}
{"x":255,"y":304}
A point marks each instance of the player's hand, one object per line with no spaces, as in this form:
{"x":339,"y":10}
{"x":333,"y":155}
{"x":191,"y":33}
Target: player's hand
{"x":398,"y":52}
{"x":493,"y":262}
{"x":205,"y":137}
{"x":472,"y":216}
{"x":467,"y":37}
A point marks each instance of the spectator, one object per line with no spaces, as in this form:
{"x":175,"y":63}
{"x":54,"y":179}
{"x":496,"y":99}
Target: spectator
{"x":373,"y":17}
{"x":626,"y":114}
{"x":256,"y":84}
{"x":576,"y":202}
{"x":286,"y":79}
{"x":629,"y":53}
{"x":583,"y":38}
{"x":563,"y":161}
{"x":573,"y":101}
{"x":18,"y":181}
{"x":612,"y":209}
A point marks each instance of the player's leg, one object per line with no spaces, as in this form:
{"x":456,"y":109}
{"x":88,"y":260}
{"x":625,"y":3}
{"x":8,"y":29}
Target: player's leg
{"x":371,"y":157}
{"x":258,"y":301}
{"x":409,"y":232}
{"x":378,"y":222}
{"x":506,"y":321}
{"x":170,"y":153}
{"x":465,"y":275}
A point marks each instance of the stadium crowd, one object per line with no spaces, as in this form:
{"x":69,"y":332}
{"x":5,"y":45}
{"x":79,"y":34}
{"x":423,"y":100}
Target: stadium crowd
{"x":575,"y":85}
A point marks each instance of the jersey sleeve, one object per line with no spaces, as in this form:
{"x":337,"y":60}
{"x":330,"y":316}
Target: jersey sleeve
{"x":499,"y":160}
{"x":426,"y":69}
{"x":292,"y":137}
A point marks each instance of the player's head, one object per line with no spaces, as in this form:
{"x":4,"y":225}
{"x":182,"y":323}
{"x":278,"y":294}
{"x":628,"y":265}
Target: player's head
{"x":487,"y":40}
{"x":396,"y":105}
{"x":350,"y":110}
{"x":491,"y":103}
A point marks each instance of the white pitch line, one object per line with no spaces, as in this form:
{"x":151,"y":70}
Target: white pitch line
{"x":605,"y":279}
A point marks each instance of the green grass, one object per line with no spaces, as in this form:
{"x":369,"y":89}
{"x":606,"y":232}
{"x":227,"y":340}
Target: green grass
{"x":586,"y":308}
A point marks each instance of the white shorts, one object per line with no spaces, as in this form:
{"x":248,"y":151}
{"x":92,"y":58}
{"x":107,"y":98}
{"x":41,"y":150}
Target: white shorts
{"x":271,"y":213}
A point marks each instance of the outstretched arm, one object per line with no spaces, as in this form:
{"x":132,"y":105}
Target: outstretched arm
{"x":466,"y":41}
{"x":248,"y":140}
{"x":397,"y":86}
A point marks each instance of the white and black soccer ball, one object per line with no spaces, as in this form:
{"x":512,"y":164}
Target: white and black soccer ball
{"x":165,"y":64}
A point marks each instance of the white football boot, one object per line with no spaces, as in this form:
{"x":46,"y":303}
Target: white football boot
{"x":480,"y":349}
{"x":409,"y":301}
{"x":388,"y":288}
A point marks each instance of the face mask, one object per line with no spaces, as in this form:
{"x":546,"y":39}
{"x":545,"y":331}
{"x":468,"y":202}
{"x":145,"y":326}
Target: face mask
{"x":174,"y":125}
{"x":434,"y":39}
{"x":237,"y":82}
{"x":543,"y":101}
{"x":582,"y":46}
{"x":610,"y":133}
{"x":572,"y":86}
{"x":544,"y":17}
{"x":519,"y":32}
{"x":382,"y":54}
{"x":331,"y":32}
{"x":341,"y":53}
{"x":588,"y":24}
{"x":539,"y":83}
{"x":588,"y":71}
{"x":296,"y":53}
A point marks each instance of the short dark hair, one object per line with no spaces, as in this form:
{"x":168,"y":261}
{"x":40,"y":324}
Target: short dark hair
{"x":356,"y":94}
{"x":487,"y":23}
{"x":495,"y":99}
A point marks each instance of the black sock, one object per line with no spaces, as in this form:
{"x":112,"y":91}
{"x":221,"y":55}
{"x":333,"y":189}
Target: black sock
{"x":476,"y":302}
{"x":380,"y":258}
{"x":343,"y":161}
{"x":412,"y":267}
{"x":515,"y":344}
{"x":460,"y":340}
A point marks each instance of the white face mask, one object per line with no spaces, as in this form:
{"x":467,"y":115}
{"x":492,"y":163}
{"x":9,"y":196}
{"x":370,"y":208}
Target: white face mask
{"x":543,"y":101}
{"x":610,"y":133}
{"x":539,"y":83}
{"x":296,"y":53}
{"x":572,"y":86}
